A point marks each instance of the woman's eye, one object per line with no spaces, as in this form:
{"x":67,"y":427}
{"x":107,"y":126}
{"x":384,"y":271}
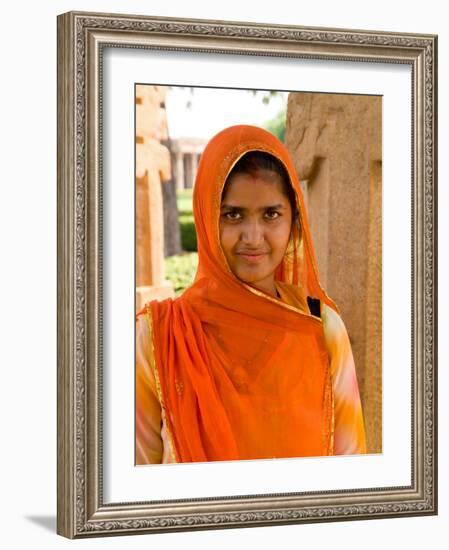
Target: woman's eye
{"x":272,"y":214}
{"x":232,"y":215}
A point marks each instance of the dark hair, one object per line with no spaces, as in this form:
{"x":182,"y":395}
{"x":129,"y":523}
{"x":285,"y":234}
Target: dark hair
{"x":255,"y":162}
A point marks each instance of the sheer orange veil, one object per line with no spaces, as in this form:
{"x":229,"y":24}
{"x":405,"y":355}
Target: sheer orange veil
{"x":216,"y":346}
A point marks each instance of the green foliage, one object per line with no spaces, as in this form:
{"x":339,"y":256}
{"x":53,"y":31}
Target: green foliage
{"x":180,"y":270}
{"x":276,"y":125}
{"x":266,"y":95}
{"x":186,"y":224}
{"x":188,"y":234}
{"x":184,"y":201}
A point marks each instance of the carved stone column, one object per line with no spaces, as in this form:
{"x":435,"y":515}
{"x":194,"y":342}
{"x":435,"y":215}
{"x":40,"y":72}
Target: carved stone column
{"x":335,"y":141}
{"x":153,"y":167}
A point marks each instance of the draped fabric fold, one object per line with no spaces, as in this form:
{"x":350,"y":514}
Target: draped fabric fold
{"x":242,"y":374}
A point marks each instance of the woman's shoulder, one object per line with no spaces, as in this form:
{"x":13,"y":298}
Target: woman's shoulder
{"x":160,"y":307}
{"x":143,"y":326}
{"x":333,"y":325}
{"x":330,"y":316}
{"x":198,"y":289}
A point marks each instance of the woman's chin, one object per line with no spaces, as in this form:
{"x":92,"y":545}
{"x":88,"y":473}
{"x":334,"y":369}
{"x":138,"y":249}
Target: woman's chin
{"x":250,"y":277}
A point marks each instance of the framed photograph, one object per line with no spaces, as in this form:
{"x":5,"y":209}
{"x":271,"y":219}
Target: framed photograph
{"x":214,"y":369}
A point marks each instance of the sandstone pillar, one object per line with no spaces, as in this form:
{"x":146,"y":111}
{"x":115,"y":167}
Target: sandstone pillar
{"x":153,"y":167}
{"x":335,"y":141}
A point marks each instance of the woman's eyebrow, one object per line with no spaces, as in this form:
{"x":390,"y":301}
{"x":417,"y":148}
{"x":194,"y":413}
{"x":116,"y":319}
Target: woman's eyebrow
{"x":242,"y":208}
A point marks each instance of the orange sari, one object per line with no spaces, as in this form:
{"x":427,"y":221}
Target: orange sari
{"x":241,"y":374}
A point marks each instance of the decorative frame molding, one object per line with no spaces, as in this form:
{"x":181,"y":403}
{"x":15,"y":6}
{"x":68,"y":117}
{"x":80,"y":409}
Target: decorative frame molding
{"x":81,"y":39}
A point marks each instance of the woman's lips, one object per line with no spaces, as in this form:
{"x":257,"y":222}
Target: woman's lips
{"x":252,"y":257}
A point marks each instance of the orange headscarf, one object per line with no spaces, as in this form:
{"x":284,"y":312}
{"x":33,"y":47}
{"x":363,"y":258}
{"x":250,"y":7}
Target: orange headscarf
{"x":243,"y":375}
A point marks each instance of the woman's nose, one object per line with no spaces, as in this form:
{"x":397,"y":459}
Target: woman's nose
{"x":252,"y":233}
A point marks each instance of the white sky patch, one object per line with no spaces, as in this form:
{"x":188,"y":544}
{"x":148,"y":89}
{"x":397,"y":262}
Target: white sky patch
{"x":213,"y":109}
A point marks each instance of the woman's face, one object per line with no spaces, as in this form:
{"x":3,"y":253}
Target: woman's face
{"x":255,"y":226}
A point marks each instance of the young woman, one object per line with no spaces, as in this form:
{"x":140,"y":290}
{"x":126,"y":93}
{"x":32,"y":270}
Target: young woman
{"x":253,"y":360}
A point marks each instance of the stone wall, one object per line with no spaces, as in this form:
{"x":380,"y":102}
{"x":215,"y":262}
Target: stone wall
{"x":335,"y":141}
{"x":153,"y":168}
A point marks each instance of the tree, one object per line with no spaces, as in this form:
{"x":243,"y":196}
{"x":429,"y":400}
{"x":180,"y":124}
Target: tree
{"x":276,"y":125}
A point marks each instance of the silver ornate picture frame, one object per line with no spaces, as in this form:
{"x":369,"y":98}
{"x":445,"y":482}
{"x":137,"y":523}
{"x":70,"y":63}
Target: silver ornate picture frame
{"x":82,"y":41}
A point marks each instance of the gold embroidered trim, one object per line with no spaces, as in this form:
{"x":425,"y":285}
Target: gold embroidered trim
{"x":282,"y":304}
{"x":328,"y":406}
{"x":329,"y":403}
{"x":172,"y":448}
{"x":331,"y":442}
{"x":332,"y":414}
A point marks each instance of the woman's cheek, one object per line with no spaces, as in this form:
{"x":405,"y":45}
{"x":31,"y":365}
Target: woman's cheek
{"x":280,"y":235}
{"x":228,"y":238}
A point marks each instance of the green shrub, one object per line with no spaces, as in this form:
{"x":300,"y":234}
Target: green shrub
{"x":181,"y":270}
{"x":184,"y":201}
{"x":186,"y":224}
{"x":276,"y":125}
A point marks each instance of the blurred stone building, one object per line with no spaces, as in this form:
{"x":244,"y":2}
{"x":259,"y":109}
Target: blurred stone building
{"x":186,"y":153}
